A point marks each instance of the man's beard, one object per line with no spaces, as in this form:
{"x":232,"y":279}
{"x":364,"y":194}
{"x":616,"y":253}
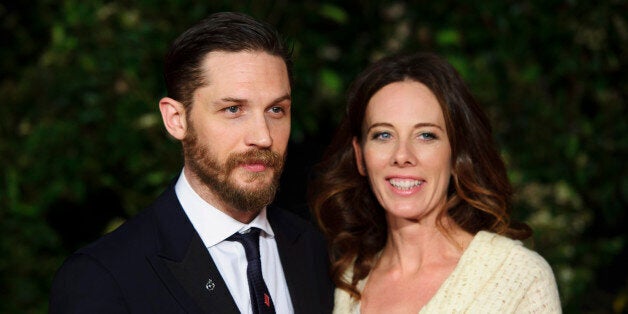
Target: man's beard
{"x":216,"y":176}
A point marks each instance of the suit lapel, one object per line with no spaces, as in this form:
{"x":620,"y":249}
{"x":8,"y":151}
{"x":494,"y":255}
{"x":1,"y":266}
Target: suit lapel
{"x":293,"y":256}
{"x":200,"y":278}
{"x":184,"y":264}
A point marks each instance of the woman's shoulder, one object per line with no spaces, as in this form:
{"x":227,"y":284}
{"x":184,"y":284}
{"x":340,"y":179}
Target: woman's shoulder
{"x":524,"y":271}
{"x":514,"y":255}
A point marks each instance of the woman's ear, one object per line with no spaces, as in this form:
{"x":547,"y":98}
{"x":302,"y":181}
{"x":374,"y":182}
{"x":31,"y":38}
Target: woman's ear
{"x":359,"y":159}
{"x":173,"y":116}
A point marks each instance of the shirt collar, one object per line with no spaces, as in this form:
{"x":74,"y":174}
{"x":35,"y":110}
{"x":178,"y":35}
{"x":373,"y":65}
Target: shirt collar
{"x":213,"y":225}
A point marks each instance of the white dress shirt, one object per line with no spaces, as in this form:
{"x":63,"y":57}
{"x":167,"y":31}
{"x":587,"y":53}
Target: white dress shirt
{"x":214,"y":227}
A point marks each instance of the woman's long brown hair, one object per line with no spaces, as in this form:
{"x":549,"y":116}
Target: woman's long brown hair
{"x":479,"y":196}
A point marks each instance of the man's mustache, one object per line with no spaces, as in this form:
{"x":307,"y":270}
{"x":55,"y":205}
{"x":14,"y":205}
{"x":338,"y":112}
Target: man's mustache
{"x":265,"y":157}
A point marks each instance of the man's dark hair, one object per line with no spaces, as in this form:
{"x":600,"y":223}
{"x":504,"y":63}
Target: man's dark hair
{"x":224,"y":31}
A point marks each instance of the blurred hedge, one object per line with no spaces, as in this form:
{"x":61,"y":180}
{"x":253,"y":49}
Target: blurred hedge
{"x":83,"y":148}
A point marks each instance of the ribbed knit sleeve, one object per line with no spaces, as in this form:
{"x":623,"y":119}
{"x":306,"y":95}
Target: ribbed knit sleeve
{"x":542,"y":294}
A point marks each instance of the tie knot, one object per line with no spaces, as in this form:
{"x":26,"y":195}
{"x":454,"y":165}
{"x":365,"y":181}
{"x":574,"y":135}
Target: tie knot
{"x":250,"y":242}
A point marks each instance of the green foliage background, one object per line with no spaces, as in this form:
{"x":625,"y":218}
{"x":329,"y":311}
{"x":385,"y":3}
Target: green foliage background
{"x":82,"y":146}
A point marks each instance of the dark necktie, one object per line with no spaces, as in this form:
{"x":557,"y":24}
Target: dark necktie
{"x":260,"y":297}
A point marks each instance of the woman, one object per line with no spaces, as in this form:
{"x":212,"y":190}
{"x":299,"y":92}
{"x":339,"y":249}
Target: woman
{"x":415,"y":201}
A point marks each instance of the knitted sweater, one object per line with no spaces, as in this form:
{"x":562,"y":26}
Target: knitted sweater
{"x":494,"y":275}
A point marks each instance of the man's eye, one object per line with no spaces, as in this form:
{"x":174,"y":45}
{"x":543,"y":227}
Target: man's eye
{"x":232,"y":109}
{"x":276,"y":109}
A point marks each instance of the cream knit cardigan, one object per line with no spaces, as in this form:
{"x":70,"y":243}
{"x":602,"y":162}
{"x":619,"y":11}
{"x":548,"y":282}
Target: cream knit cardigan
{"x":494,"y":275}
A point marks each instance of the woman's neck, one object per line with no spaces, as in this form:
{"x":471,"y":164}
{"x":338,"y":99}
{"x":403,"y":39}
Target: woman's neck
{"x":412,"y":245}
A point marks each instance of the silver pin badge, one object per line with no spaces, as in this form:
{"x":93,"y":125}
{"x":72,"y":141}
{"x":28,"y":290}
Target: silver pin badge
{"x":210,"y":285}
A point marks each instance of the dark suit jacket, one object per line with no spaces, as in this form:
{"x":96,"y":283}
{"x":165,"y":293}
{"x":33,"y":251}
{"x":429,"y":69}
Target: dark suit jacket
{"x":157,"y":263}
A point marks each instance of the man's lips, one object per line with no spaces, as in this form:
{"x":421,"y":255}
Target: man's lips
{"x":254,"y":167}
{"x":254,"y":161}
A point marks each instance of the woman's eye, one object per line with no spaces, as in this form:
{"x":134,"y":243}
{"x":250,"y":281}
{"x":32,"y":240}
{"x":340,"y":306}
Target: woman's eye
{"x":381,"y":136}
{"x":427,"y":136}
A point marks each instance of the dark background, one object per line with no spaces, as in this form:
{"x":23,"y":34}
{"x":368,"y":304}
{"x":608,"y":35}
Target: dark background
{"x":82,"y":146}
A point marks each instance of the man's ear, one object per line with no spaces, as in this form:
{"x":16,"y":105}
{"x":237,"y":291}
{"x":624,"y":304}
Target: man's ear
{"x":173,"y":115}
{"x":359,"y":160}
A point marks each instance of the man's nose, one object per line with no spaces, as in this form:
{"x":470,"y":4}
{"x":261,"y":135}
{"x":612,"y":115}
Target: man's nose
{"x":258,"y":133}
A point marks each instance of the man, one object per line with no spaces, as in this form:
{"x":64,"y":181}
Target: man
{"x":229,"y":87}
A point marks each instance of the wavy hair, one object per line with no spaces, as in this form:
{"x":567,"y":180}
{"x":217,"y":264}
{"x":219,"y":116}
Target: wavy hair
{"x":479,"y":193}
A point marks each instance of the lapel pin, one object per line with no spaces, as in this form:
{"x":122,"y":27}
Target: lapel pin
{"x":210,"y":285}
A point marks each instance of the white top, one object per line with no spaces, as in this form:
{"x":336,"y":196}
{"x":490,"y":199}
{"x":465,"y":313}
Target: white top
{"x":494,"y":275}
{"x":214,"y":226}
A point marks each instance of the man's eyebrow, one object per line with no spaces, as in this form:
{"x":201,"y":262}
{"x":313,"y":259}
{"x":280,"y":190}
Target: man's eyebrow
{"x":242,"y":101}
{"x":231,"y":100}
{"x":282,"y":98}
